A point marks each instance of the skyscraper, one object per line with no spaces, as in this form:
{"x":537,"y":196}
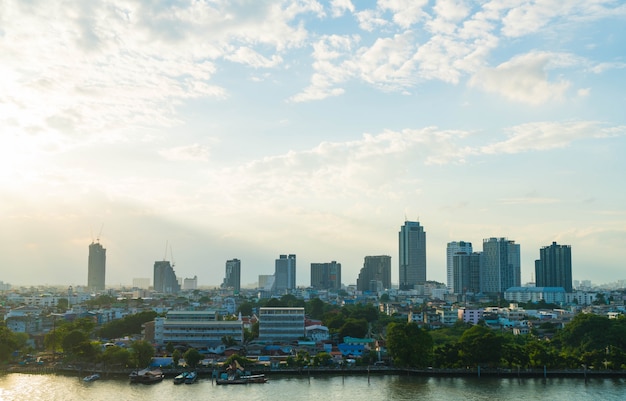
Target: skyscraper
{"x":232,"y":278}
{"x":412,"y":247}
{"x":375,"y":274}
{"x":501,"y":265}
{"x":554,"y":267}
{"x":165,"y":280}
{"x":285,"y":274}
{"x":96,"y":267}
{"x":326,"y":276}
{"x":452,"y":249}
{"x":466,"y":272}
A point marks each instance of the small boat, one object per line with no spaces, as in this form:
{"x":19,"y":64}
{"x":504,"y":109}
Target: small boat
{"x":181,"y":378}
{"x":248,"y":379}
{"x":146,"y":376}
{"x":191,"y":377}
{"x":91,"y":378}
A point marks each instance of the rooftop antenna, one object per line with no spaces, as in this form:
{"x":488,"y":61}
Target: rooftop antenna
{"x":100,"y":233}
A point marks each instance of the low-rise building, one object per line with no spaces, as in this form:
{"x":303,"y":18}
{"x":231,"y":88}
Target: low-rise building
{"x":281,"y":324}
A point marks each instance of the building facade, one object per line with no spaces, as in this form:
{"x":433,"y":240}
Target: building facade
{"x":453,"y":248}
{"x":326,"y":276}
{"x":554,"y":267}
{"x":501,"y":265}
{"x":285,"y":274}
{"x":466,"y":272}
{"x":375,"y":274}
{"x":165,"y":280}
{"x":281,"y":324}
{"x":198,"y":329}
{"x":96,"y":267}
{"x":412,"y":255}
{"x":232,"y":277}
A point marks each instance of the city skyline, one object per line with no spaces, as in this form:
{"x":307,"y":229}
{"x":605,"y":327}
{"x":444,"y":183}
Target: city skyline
{"x":322,"y":125}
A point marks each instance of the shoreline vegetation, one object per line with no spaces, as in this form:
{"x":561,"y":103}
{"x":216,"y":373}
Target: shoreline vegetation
{"x":212,"y":372}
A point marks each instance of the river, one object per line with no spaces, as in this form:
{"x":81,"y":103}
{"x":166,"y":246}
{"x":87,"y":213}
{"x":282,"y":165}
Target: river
{"x":35,"y":387}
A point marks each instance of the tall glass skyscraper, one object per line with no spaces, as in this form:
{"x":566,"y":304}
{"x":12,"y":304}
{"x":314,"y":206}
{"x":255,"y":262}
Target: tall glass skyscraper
{"x":285,"y":274}
{"x":326,"y":276}
{"x":96,"y":267}
{"x":412,"y":247}
{"x":165,"y":279}
{"x":554,"y":267}
{"x":375,"y":274}
{"x":453,"y":248}
{"x":232,"y":278}
{"x":501,"y":265}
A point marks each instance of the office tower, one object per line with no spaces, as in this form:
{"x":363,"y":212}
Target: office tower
{"x":232,"y":278}
{"x":285,"y":274}
{"x":466,"y":272}
{"x":326,"y":276}
{"x":375,"y":275}
{"x":501,"y":268}
{"x":165,"y":280}
{"x":452,"y":249}
{"x":190,"y":283}
{"x":96,"y":267}
{"x":554,"y":267}
{"x":412,"y":246}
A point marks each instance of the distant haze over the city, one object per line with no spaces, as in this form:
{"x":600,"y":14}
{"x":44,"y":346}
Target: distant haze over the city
{"x":312,"y":128}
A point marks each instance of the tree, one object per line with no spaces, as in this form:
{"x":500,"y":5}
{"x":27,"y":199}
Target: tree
{"x":142,"y":352}
{"x":409,"y":345}
{"x":192,"y":357}
{"x":315,"y":308}
{"x":480,"y":346}
{"x":353,"y":328}
{"x":245,"y":309}
{"x":229,"y":341}
{"x":62,"y":305}
{"x":115,"y":356}
{"x":322,"y":359}
{"x":176,"y":357}
{"x":8,"y":343}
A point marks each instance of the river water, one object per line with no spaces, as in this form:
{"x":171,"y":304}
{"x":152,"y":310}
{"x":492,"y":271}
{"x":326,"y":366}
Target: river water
{"x":35,"y":387}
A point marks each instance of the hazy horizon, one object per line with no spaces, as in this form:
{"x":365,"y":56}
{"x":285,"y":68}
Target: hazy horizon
{"x":252,"y":129}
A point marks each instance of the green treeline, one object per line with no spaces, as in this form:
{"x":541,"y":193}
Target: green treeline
{"x":590,"y":341}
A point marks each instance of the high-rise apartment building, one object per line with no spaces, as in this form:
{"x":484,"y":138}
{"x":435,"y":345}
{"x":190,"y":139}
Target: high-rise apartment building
{"x":375,"y":274}
{"x":452,"y":249}
{"x":466,"y":272}
{"x":501,"y":265}
{"x":165,"y":280}
{"x":326,"y":276}
{"x":96,"y":267}
{"x":554,"y":267}
{"x":232,"y":278}
{"x":412,"y":258}
{"x":285,"y":274}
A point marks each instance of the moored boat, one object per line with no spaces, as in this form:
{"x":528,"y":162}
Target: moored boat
{"x":248,"y":379}
{"x":180,"y":378}
{"x":91,"y":378}
{"x":191,"y":377}
{"x":146,"y":376}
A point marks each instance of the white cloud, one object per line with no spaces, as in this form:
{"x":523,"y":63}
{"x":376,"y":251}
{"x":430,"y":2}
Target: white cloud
{"x":193,"y":152}
{"x":524,"y":78}
{"x":405,"y":12}
{"x":550,"y":135}
{"x":339,"y":7}
{"x":246,"y":55}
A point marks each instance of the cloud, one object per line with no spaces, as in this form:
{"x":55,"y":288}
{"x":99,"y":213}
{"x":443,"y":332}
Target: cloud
{"x":524,"y":78}
{"x":339,"y":7}
{"x":193,"y":152}
{"x":542,"y":136}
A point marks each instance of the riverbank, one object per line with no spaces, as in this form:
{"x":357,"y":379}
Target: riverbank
{"x":352,"y":370}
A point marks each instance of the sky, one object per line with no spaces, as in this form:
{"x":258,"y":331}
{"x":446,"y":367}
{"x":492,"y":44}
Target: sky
{"x":202,"y":131}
